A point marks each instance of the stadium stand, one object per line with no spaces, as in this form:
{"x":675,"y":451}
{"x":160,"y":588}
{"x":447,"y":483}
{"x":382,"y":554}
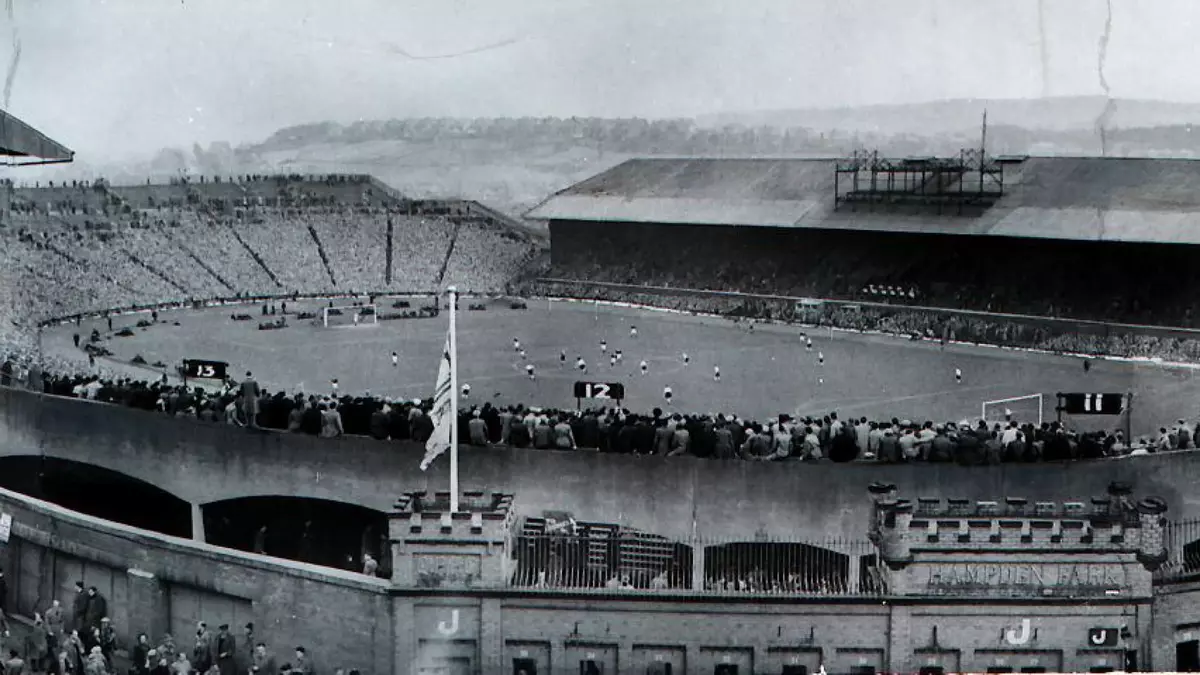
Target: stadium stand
{"x":255,"y":236}
{"x":1103,"y":239}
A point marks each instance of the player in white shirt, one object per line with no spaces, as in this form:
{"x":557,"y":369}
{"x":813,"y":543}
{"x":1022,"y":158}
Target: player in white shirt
{"x":604,"y":346}
{"x":334,"y":385}
{"x":529,"y":370}
{"x":633,"y":331}
{"x":667,"y":394}
{"x":686,"y":359}
{"x":466,"y":390}
{"x":717,"y":373}
{"x":619,"y":355}
{"x":522,"y":354}
{"x":958,"y":375}
{"x":644,"y":366}
{"x":356,"y":318}
{"x":516,"y":345}
{"x":395,"y":359}
{"x":581,"y":365}
{"x":612,"y":361}
{"x":808,"y":343}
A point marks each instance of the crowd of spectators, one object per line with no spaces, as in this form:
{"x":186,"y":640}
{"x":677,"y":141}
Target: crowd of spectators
{"x":88,"y":246}
{"x":81,"y":640}
{"x":1057,"y":337}
{"x":723,"y":436}
{"x":1073,"y":279}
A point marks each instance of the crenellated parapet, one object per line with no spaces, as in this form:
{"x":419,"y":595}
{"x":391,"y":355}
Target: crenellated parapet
{"x":1110,"y":524}
{"x":435,"y":548}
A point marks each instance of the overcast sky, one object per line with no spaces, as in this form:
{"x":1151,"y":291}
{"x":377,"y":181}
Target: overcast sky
{"x":130,"y":76}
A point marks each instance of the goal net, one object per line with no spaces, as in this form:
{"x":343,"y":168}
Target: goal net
{"x":352,"y":315}
{"x":1022,"y":409}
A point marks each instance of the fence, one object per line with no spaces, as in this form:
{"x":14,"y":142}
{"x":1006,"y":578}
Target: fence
{"x":612,"y":560}
{"x":1183,"y":551}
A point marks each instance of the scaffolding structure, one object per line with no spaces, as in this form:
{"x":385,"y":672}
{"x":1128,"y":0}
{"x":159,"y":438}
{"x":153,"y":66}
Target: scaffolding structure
{"x":968,"y":184}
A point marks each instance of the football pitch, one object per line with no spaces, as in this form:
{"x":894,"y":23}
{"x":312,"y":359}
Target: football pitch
{"x":763,"y":372}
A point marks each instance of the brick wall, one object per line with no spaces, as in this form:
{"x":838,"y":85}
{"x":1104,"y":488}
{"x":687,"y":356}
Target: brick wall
{"x":559,"y":632}
{"x":350,"y":621}
{"x":342,"y":617}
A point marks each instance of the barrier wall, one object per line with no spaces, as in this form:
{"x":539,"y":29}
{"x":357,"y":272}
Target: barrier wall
{"x":349,"y":621}
{"x":155,"y":584}
{"x":674,"y":497}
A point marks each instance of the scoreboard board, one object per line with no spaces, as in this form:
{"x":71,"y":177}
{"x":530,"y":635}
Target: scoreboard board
{"x":197,"y":369}
{"x":600,"y":390}
{"x":1091,"y":404}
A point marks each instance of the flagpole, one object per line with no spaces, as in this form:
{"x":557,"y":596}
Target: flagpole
{"x":453,"y":293}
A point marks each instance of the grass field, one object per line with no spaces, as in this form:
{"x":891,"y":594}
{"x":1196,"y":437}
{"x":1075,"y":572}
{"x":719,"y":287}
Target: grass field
{"x":763,"y":372}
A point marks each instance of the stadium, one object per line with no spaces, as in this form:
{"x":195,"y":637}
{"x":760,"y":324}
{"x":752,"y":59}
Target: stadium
{"x":891,"y":335}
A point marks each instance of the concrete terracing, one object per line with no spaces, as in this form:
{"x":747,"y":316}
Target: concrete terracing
{"x":674,"y":497}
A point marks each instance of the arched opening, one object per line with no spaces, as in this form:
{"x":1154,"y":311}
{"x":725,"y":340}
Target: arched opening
{"x":98,"y":492}
{"x":767,"y":567}
{"x":316,"y":531}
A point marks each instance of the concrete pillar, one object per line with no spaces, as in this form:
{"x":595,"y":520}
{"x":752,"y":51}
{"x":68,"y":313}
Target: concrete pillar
{"x":899,"y":657}
{"x":491,"y":638}
{"x":403,"y":618}
{"x":853,"y":572}
{"x":698,"y":566}
{"x":147,"y":604}
{"x":197,"y":523}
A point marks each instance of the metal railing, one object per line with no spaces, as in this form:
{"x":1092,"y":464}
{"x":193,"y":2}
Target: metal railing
{"x":606,"y":561}
{"x":1182,"y":539}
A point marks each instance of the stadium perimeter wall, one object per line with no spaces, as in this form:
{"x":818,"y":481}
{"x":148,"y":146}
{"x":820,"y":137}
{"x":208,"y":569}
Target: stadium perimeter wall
{"x":674,"y":497}
{"x":349,"y":621}
{"x":158,"y":584}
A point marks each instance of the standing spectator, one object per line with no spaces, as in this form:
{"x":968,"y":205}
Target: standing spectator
{"x":56,"y":624}
{"x":246,"y":659}
{"x":97,"y":609}
{"x":226,"y":648}
{"x":37,"y":645}
{"x":264,"y":661}
{"x":250,"y":395}
{"x":478,"y":429}
{"x":141,"y":655}
{"x":202,"y":650}
{"x":3,"y":592}
{"x":107,"y":636}
{"x":331,"y":421}
{"x":76,"y":651}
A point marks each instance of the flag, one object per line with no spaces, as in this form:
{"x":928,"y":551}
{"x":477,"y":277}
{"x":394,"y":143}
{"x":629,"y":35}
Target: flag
{"x":443,"y":402}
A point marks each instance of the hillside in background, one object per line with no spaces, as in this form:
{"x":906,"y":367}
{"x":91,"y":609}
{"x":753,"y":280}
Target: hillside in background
{"x":1055,"y":114}
{"x":511,"y":164}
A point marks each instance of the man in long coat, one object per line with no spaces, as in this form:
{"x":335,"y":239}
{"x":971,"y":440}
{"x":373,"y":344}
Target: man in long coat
{"x":226,"y":651}
{"x":250,"y":396}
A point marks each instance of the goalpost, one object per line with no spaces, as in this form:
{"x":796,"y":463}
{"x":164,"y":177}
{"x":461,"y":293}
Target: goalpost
{"x":349,"y":316}
{"x":1022,"y":408}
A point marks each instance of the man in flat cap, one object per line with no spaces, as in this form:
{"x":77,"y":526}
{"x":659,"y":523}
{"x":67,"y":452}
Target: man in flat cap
{"x":226,"y":650}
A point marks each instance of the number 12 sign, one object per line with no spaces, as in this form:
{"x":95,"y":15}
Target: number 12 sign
{"x":600,"y":390}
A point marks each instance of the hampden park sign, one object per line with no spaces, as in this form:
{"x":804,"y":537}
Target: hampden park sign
{"x":1023,"y":578}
